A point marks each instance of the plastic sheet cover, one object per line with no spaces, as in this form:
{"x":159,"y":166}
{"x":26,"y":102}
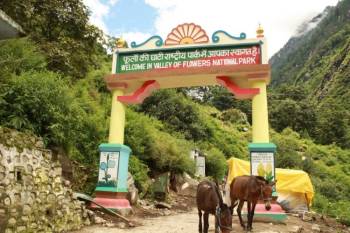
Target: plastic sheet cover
{"x":288,"y":181}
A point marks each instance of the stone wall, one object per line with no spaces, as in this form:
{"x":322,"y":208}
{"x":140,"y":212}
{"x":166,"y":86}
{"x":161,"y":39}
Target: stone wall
{"x":33,"y":195}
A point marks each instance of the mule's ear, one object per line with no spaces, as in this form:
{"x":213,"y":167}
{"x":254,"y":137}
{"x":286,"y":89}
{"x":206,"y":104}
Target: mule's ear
{"x":261,"y":182}
{"x":273,"y":183}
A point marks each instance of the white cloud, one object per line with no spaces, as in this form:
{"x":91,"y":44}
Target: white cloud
{"x":98,"y":12}
{"x":138,"y":37}
{"x":112,"y":2}
{"x":280,"y":19}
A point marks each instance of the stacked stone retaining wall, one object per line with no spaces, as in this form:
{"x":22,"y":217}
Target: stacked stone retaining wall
{"x":33,"y":195}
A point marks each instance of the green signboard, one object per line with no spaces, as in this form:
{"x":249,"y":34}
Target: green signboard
{"x":187,"y":58}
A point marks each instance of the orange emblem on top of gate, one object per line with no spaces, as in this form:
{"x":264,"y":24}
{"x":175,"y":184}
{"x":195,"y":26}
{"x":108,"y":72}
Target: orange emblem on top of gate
{"x":187,"y":34}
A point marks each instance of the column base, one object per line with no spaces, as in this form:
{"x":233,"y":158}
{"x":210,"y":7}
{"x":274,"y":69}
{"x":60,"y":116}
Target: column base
{"x":275,"y":214}
{"x":113,"y":201}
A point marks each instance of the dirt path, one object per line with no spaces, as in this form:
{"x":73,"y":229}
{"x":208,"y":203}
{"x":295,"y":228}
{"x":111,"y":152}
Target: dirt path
{"x":179,"y":223}
{"x":188,"y":222}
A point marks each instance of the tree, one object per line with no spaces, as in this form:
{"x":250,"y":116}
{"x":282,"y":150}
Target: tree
{"x":333,"y":124}
{"x":177,"y":113}
{"x":215,"y":164}
{"x":61,"y":29}
{"x":300,"y":116}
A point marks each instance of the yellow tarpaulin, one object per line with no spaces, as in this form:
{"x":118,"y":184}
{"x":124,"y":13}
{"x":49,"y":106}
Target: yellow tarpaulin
{"x":287,"y":180}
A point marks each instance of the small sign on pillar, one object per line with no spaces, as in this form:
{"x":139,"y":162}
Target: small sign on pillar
{"x":108,"y":169}
{"x":262,"y":163}
{"x":262,"y":160}
{"x":112,"y":186}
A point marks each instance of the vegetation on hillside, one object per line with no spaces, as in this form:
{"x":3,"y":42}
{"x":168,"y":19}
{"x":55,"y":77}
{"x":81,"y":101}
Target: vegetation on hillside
{"x":49,"y":90}
{"x":61,"y":31}
{"x":310,"y":79}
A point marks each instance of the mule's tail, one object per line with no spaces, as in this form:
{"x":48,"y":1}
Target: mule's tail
{"x":234,"y":204}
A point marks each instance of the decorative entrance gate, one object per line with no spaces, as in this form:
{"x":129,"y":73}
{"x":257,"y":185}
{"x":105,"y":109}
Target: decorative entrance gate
{"x":187,"y":58}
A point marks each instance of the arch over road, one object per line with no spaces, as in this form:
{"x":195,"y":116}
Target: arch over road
{"x":186,"y":59}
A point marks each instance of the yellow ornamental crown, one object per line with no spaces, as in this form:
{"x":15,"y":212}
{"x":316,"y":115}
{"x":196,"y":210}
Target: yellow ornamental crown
{"x":260,"y":32}
{"x":121,"y":43}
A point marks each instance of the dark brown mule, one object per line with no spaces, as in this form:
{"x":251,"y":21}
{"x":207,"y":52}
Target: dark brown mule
{"x":250,"y":189}
{"x":209,"y":200}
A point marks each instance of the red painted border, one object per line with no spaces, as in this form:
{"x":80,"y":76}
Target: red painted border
{"x":140,"y":94}
{"x":240,"y":93}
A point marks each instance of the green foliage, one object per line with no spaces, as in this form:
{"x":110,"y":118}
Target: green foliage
{"x":338,"y":210}
{"x":18,"y":56}
{"x":161,"y":151}
{"x":289,"y":108}
{"x":168,"y":125}
{"x":43,"y":103}
{"x":39,"y":102}
{"x":234,"y":116}
{"x":215,"y":164}
{"x":310,"y":48}
{"x":315,"y":67}
{"x":325,"y":165}
{"x":288,"y":145}
{"x":139,"y":171}
{"x":61,"y":29}
{"x":177,"y":112}
{"x":222,"y":99}
{"x":333,"y":124}
{"x":228,"y":140}
{"x":194,"y":121}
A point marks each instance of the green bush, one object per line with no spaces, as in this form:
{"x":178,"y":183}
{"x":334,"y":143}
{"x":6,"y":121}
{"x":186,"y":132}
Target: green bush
{"x":234,"y":116}
{"x":158,"y":149}
{"x":335,"y":209}
{"x":46,"y":105}
{"x":42,"y":103}
{"x":215,"y":164}
{"x":177,"y":113}
{"x":288,"y":145}
{"x":18,"y":56}
{"x":139,"y":171}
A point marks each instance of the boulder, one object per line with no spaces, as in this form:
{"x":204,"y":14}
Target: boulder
{"x":133,"y":193}
{"x":186,"y":185}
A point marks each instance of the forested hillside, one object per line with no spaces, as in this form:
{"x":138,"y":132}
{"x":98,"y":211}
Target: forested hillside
{"x":49,"y":89}
{"x":310,"y":80}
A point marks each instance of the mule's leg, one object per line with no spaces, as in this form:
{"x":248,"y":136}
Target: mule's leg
{"x":216,"y":225}
{"x":200,"y":221}
{"x":206,"y":222}
{"x":239,"y":209}
{"x":249,"y":215}
{"x":252,"y":215}
{"x":234,"y":202}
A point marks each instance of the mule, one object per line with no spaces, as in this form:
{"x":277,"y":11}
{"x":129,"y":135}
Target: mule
{"x":250,"y":189}
{"x":209,"y":200}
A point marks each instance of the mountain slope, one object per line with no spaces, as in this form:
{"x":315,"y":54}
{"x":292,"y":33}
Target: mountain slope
{"x":312,"y":72}
{"x":314,"y":50}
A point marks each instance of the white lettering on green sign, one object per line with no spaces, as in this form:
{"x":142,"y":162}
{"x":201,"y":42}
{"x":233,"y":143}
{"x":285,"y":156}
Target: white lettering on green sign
{"x":188,"y":59}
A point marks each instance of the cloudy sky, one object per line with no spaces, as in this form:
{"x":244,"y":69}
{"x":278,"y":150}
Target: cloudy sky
{"x":137,"y":20}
